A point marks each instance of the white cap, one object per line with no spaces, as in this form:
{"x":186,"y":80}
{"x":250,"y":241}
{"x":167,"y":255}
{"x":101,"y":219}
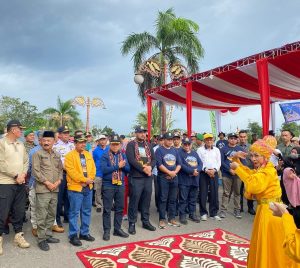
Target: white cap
{"x":100,"y":137}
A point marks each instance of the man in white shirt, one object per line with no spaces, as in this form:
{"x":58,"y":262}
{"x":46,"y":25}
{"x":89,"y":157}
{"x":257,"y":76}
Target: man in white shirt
{"x":211,"y":159}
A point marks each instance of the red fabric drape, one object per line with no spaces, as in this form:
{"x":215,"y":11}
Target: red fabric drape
{"x":264,"y":90}
{"x":149,"y":116}
{"x":189,"y":87}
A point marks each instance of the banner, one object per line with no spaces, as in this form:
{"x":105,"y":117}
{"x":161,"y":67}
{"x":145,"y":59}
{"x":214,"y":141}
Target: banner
{"x":212,"y":116}
{"x":290,"y":111}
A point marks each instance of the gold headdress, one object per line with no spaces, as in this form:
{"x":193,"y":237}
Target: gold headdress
{"x":265,"y":146}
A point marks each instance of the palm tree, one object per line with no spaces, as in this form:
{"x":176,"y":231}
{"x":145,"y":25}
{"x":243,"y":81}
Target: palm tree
{"x":155,"y":123}
{"x":175,"y":41}
{"x":64,"y":114}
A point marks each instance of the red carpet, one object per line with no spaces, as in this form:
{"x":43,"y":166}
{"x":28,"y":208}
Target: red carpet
{"x":208,"y":249}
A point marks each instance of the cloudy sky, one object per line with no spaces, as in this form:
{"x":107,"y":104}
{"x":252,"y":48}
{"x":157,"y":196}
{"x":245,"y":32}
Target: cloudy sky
{"x":72,"y":47}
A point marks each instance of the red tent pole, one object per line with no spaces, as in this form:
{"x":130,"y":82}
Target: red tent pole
{"x":189,"y":88}
{"x":264,"y":90}
{"x":149,"y":116}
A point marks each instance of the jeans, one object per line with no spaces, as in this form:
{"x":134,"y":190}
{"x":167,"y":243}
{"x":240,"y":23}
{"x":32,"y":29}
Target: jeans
{"x":80,"y":204}
{"x":187,"y":200}
{"x":113,"y":194}
{"x":63,"y":200}
{"x":167,"y":191}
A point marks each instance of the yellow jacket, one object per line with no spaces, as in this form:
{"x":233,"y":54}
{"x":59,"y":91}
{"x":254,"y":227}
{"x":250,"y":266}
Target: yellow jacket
{"x":75,"y":177}
{"x":292,"y":237}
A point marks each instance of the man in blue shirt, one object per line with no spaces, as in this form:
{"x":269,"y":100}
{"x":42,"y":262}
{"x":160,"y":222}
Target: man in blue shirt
{"x":101,"y":149}
{"x":231,"y":182}
{"x":168,"y":165}
{"x":191,"y":166}
{"x":221,"y":142}
{"x":114,"y":165}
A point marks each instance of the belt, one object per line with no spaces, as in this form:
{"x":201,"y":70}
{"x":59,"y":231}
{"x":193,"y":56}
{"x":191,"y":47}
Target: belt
{"x":268,"y":201}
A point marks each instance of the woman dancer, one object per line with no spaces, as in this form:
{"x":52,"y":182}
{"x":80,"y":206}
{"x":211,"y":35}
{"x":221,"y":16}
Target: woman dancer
{"x":262,"y":184}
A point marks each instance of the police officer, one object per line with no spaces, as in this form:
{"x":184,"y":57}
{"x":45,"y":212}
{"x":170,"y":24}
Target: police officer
{"x":63,"y":146}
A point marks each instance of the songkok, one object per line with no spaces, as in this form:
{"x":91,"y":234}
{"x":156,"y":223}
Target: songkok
{"x":265,"y":146}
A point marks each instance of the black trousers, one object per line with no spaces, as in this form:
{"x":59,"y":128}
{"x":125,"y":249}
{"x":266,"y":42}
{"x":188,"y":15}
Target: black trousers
{"x":296,"y":215}
{"x":187,"y":200}
{"x":139,"y":187}
{"x":12,"y":199}
{"x":250,"y":203}
{"x":213,"y":184}
{"x":63,"y":201}
{"x":113,"y":195}
{"x":156,"y":189}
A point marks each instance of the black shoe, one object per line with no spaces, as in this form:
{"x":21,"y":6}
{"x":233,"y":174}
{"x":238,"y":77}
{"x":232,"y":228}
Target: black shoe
{"x":75,"y":241}
{"x":131,"y":229}
{"x":98,"y":210}
{"x":52,"y":240}
{"x":251,"y":211}
{"x":194,"y":218}
{"x":149,"y":226}
{"x":120,"y":233}
{"x":6,"y":229}
{"x":106,"y":236}
{"x":183,"y":221}
{"x":87,"y":238}
{"x":43,"y":245}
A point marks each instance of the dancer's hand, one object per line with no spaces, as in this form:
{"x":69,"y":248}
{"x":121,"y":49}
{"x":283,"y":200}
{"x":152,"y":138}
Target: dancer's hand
{"x":234,"y":165}
{"x":278,"y":209}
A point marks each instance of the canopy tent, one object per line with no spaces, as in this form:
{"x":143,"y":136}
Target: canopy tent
{"x":261,"y":79}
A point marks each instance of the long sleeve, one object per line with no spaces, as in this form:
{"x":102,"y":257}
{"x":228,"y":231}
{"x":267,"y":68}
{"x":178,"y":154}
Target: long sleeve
{"x":185,"y":166}
{"x":130,"y":154}
{"x":36,"y":169}
{"x":25,"y":162}
{"x":224,"y":162}
{"x":126,"y":169}
{"x":106,"y":167}
{"x":255,"y":182}
{"x":200,"y":164}
{"x":153,"y":160}
{"x":3,"y":166}
{"x":75,"y":175}
{"x":218,"y":159}
{"x":291,"y":243}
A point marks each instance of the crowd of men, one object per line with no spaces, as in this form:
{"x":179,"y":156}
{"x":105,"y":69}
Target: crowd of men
{"x":63,"y":178}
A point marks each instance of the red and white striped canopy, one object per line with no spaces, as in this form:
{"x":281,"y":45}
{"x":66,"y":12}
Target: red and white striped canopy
{"x":236,"y":84}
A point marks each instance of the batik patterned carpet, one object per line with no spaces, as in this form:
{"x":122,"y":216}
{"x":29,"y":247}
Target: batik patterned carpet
{"x":208,"y":249}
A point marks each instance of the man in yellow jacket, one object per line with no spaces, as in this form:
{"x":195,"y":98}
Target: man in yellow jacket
{"x":81,"y":171}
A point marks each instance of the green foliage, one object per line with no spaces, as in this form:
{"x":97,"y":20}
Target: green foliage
{"x":293,"y":127}
{"x":64,"y":114}
{"x":96,"y":130}
{"x":254,"y":128}
{"x":175,"y":41}
{"x":15,"y":108}
{"x":155,"y":130}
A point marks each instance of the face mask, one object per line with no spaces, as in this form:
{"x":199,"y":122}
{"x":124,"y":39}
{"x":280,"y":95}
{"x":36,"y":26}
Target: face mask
{"x":294,"y":156}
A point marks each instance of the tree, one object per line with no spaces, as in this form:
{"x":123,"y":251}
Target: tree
{"x":255,"y":128}
{"x":175,"y":41}
{"x":15,"y":108}
{"x":96,"y":130}
{"x":155,"y":130}
{"x":293,"y":127}
{"x":64,"y":114}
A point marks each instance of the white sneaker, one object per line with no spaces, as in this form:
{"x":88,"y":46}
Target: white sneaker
{"x":204,"y":217}
{"x":217,"y":218}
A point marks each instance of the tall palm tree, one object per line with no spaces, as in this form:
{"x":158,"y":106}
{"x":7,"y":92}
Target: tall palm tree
{"x":175,"y":42}
{"x":155,"y":122}
{"x":64,"y":114}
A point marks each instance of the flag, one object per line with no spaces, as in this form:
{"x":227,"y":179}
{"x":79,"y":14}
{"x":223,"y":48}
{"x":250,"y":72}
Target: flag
{"x":212,"y":116}
{"x":290,"y":111}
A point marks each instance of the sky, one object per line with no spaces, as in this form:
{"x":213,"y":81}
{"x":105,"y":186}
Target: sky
{"x":71,"y":48}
